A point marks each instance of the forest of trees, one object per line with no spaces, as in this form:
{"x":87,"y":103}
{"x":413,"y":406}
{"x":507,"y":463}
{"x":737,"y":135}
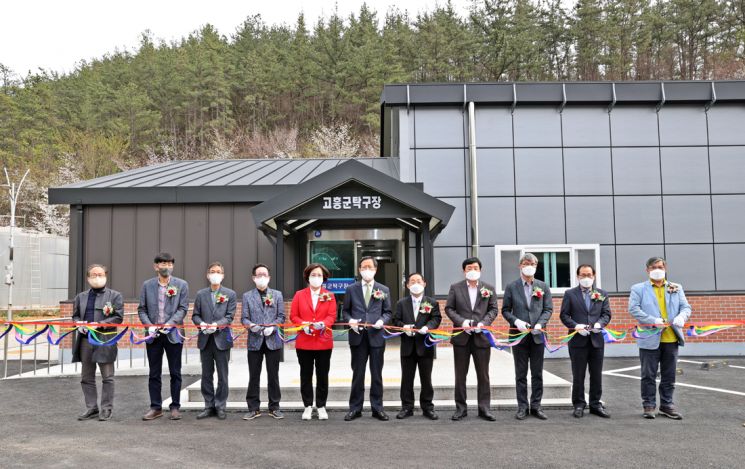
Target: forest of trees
{"x":312,"y":88}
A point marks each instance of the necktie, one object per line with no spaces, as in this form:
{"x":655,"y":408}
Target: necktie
{"x":416,"y":309}
{"x":368,"y":293}
{"x":586,"y":294}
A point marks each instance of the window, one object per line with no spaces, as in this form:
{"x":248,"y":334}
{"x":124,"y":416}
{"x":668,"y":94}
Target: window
{"x":557,"y":264}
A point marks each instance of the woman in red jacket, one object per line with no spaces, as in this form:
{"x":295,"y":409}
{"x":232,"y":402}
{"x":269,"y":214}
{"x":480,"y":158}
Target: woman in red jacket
{"x":315,"y":307}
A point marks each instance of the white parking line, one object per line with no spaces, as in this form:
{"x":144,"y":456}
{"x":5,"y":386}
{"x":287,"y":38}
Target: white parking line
{"x":690,"y":361}
{"x":735,"y":366}
{"x":725,"y":391}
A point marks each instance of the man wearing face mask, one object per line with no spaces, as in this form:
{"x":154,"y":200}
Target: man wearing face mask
{"x":662,"y":305}
{"x":164,"y":302}
{"x":423,"y":314}
{"x":527,"y":306}
{"x":472,"y":304}
{"x":214,"y":309}
{"x":262,"y":310}
{"x":586,"y":311}
{"x":367,"y":302}
{"x":103,"y":306}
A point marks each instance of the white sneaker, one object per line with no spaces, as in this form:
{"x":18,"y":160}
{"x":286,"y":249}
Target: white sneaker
{"x":322,"y":414}
{"x":307,"y":413}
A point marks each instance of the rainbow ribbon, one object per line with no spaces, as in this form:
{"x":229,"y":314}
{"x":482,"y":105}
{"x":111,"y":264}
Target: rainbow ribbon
{"x":21,"y":331}
{"x":93,"y":338}
{"x":7,"y":329}
{"x":53,"y":331}
{"x":703,"y":331}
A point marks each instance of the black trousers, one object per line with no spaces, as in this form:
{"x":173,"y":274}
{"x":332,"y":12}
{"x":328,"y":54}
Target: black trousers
{"x":321,"y":360}
{"x":462,"y":359}
{"x":155,"y":351}
{"x":360,"y":354}
{"x":255,"y":359}
{"x":665,"y":357}
{"x":582,"y":358}
{"x":214,"y":358}
{"x":528,"y":353}
{"x":409,"y":365}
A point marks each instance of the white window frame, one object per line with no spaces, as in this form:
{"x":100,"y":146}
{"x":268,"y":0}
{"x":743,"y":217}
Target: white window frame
{"x":573,"y":261}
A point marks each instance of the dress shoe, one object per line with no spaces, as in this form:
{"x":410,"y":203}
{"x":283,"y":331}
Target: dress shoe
{"x":175,"y":414}
{"x":579,"y":412}
{"x":431,"y":414}
{"x":600,"y":412}
{"x":206,"y":413}
{"x":105,"y":415}
{"x":277,"y":414}
{"x":488,"y":416}
{"x":648,"y":413}
{"x":670,"y":413}
{"x":221,"y":415}
{"x":88,"y":414}
{"x":459,"y":415}
{"x":352,"y":414}
{"x":252,"y":414}
{"x":521,"y":414}
{"x":404,"y":413}
{"x":307,"y":413}
{"x":153,"y":414}
{"x":322,"y":414}
{"x":380,"y":415}
{"x":539,"y":414}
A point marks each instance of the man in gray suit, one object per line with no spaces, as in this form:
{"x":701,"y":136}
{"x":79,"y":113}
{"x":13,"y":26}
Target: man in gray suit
{"x":164,"y":302}
{"x":214,"y":309}
{"x":472,"y":304}
{"x":527,"y":305}
{"x":262,"y":310}
{"x":104,"y":306}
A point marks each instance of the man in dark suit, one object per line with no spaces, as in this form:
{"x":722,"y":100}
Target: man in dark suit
{"x":262,"y":311}
{"x":586,"y":311}
{"x":100,"y":305}
{"x":472,"y":304}
{"x":367,"y":302}
{"x":423,"y":314}
{"x":527,"y":305}
{"x":164,"y":302}
{"x":214,"y":308}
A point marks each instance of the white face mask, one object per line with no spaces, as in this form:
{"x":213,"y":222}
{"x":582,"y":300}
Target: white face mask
{"x":215,"y":279}
{"x":416,"y":289}
{"x":367,"y":275}
{"x":473,"y":275}
{"x":315,"y":282}
{"x":97,"y":282}
{"x":261,"y":282}
{"x":657,"y":274}
{"x":528,"y":270}
{"x":586,"y":282}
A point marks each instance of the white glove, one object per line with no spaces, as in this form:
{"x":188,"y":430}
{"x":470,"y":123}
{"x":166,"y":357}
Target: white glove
{"x":268,"y":331}
{"x":423,"y":330}
{"x":521,"y":325}
{"x":478,"y":328}
{"x":408,"y":331}
{"x":537,"y":329}
{"x":82,"y":329}
{"x":466,"y":326}
{"x":659,"y":322}
{"x":152,"y":330}
{"x":597,"y":327}
{"x":378,"y":324}
{"x":679,"y":321}
{"x":582,"y":329}
{"x":255,"y":328}
{"x":319,"y":325}
{"x":306,"y":327}
{"x":353,"y":325}
{"x":213,"y":329}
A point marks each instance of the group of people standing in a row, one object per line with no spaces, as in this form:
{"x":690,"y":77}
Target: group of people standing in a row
{"x":471,"y":305}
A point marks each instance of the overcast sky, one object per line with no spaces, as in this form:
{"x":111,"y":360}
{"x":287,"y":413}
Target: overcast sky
{"x":57,"y":34}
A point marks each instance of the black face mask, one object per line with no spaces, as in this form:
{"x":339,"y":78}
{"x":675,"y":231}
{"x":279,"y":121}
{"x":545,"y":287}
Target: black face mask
{"x":165,"y":271}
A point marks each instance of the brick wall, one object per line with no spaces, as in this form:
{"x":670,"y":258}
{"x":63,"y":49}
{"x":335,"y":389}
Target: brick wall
{"x":706,"y":308}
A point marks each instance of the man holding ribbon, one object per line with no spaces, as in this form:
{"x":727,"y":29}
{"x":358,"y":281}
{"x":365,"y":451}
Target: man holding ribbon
{"x":527,"y":306}
{"x":585,"y":310}
{"x":214,"y":309}
{"x":471,"y":305}
{"x":367,"y":302}
{"x":662,"y":311}
{"x":417,"y":314}
{"x":100,"y":305}
{"x":164,"y":302}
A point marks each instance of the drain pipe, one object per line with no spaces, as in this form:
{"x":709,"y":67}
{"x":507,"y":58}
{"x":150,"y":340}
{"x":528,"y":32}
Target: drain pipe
{"x":473,"y":176}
